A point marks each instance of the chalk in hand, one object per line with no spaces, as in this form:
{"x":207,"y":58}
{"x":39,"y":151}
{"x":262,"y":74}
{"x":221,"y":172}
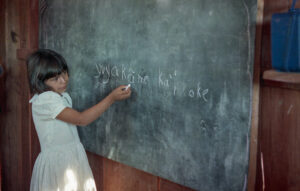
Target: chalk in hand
{"x":126,"y":88}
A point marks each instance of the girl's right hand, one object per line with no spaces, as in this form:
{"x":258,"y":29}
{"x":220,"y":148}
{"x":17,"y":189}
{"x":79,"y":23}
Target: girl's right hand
{"x":89,"y":115}
{"x":120,"y":93}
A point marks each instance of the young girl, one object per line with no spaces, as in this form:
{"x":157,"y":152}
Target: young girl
{"x":62,"y":164}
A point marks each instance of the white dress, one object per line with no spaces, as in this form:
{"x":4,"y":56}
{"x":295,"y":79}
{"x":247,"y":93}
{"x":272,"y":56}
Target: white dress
{"x":62,"y":164}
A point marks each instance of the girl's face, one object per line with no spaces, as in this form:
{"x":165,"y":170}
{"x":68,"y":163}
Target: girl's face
{"x":58,"y":83}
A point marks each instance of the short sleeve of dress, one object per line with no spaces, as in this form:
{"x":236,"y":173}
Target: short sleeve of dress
{"x":48,"y":105}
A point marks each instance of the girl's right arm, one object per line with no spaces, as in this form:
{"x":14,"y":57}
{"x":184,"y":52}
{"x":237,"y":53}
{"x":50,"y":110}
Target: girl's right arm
{"x":84,"y":118}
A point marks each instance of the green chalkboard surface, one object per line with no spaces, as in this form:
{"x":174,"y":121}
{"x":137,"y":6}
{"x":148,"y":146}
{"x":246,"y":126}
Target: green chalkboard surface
{"x":189,"y":63}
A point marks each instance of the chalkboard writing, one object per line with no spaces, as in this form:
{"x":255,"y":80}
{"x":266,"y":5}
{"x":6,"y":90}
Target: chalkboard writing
{"x":189,"y":63}
{"x":104,"y":73}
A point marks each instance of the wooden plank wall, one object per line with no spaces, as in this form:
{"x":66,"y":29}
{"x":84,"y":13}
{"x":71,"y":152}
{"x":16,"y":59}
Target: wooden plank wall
{"x":10,"y":119}
{"x":279,"y":131}
{"x":2,"y":76}
{"x":18,"y":36}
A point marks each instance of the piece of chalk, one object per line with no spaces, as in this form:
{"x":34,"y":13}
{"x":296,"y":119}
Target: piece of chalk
{"x":128,"y":86}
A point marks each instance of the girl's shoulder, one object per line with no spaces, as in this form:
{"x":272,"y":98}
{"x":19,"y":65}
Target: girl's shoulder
{"x":45,"y":97}
{"x":48,"y":105}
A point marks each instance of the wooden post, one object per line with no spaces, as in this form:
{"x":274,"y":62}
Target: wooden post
{"x":255,"y":98}
{"x":29,"y":23}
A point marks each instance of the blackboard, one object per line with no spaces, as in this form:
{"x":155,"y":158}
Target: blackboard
{"x":190,"y":66}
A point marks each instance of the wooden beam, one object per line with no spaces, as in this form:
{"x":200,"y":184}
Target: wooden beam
{"x":285,"y":77}
{"x":255,"y":99}
{"x":277,"y":79}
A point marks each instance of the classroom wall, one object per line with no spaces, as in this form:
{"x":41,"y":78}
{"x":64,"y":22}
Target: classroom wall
{"x":19,"y":144}
{"x":278,"y":139}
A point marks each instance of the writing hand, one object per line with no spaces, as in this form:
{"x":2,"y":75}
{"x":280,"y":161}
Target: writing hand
{"x":121,"y":93}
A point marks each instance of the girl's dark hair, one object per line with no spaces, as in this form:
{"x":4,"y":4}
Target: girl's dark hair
{"x":42,"y":65}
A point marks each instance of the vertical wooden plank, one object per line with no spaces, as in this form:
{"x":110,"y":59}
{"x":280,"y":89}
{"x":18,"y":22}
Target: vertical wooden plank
{"x":2,"y":31}
{"x":25,"y":115}
{"x":280,"y":138}
{"x":10,"y":119}
{"x":2,"y":59}
{"x":28,"y":38}
{"x":33,"y":33}
{"x":255,"y":99}
{"x":32,"y":36}
{"x":2,"y":83}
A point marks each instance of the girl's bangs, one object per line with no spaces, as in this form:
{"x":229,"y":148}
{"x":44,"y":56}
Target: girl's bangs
{"x":53,"y":68}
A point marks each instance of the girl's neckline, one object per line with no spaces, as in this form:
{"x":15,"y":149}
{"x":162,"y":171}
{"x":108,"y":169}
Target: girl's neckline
{"x":35,"y":96}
